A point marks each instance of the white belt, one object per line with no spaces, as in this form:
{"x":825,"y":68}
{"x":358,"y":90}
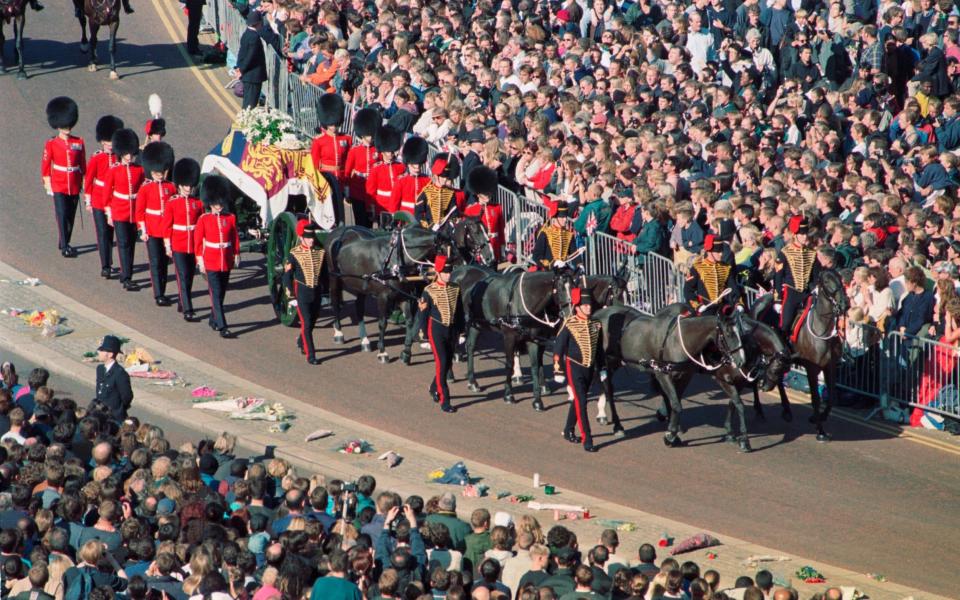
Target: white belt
{"x":360,"y":173}
{"x":98,"y":182}
{"x":155,"y":213}
{"x":57,"y":167}
{"x":383,"y":193}
{"x":216,"y":244}
{"x":184,"y":227}
{"x":123,"y":196}
{"x":491,"y":235}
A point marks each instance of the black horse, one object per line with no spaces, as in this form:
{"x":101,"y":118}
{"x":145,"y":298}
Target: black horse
{"x":391,"y":268}
{"x":15,"y":13}
{"x":667,"y":346}
{"x":767,"y":360}
{"x":99,"y":13}
{"x":523,"y":307}
{"x":819,"y":348}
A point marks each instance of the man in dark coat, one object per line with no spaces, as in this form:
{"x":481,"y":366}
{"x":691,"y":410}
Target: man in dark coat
{"x":114,"y":393}
{"x":933,"y":66}
{"x":251,"y":61}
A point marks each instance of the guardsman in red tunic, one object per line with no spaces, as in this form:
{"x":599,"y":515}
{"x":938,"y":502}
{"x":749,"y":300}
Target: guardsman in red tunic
{"x":217,"y":246}
{"x":439,"y":201}
{"x":120,"y":203}
{"x":179,"y":223}
{"x":408,"y":189}
{"x":482,"y":182}
{"x":329,"y":149}
{"x":385,"y":176}
{"x":360,"y":162}
{"x":301,"y":278}
{"x":94,"y":189}
{"x":152,"y":198}
{"x":64,"y":159}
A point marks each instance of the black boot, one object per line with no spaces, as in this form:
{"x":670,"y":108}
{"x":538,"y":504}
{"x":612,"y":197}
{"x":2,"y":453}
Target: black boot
{"x":35,"y":5}
{"x":127,"y":8}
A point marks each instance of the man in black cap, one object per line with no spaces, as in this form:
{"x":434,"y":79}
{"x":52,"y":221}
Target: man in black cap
{"x":710,"y":275}
{"x":251,"y":61}
{"x":577,"y":354}
{"x":797,"y":271}
{"x":301,"y":278}
{"x":114,"y":393}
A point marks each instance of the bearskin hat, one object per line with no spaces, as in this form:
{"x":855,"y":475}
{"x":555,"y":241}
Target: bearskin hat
{"x":445,"y":165}
{"x":216,"y":190}
{"x":156,"y":126}
{"x":367,"y":122}
{"x":482,"y":180}
{"x":62,"y":113}
{"x":107,"y":126}
{"x":186,"y":172}
{"x":157,"y":157}
{"x":388,"y":139}
{"x":415,"y":151}
{"x":125,"y":141}
{"x":330,"y":111}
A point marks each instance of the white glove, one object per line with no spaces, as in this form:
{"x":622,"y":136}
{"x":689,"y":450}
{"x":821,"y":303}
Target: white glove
{"x":603,"y":375}
{"x":292,"y":303}
{"x":558,"y":263}
{"x":559,"y":378}
{"x":435,"y":227}
{"x":702,"y":309}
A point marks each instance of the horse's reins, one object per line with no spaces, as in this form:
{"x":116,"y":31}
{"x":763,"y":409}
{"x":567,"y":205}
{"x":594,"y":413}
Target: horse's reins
{"x":403,"y":246}
{"x":835,"y":318}
{"x":702,"y":363}
{"x":523,"y":302}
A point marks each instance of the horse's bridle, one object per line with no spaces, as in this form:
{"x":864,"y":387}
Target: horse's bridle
{"x":836,"y":313}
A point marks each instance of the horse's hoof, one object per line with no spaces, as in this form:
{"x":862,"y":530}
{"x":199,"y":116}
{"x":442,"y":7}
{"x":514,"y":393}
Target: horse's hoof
{"x":538,"y":406}
{"x":92,"y":68}
{"x":509,"y":399}
{"x":672,"y":441}
{"x":338,"y":339}
{"x":473,"y":386}
{"x":745,"y":446}
{"x":823,"y":437}
{"x":602,"y":421}
{"x":114,"y":75}
{"x":728,"y":438}
{"x":460,"y":358}
{"x":661,"y":417}
{"x":516,"y":380}
{"x":21,"y":75}
{"x":618,"y":432}
{"x":365,"y":348}
{"x":787,"y":416}
{"x":405,"y":357}
{"x":383,"y":358}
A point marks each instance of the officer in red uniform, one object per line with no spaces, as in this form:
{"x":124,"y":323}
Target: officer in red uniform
{"x":360,"y":162}
{"x":301,"y":278}
{"x":217,"y":246}
{"x":179,"y":223}
{"x":152,"y":198}
{"x":121,"y":186}
{"x":94,"y":189}
{"x":577,"y":355}
{"x":439,"y":201}
{"x":329,"y":149}
{"x":408,"y":188}
{"x":385,"y":176}
{"x":64,"y":159}
{"x":482,"y":182}
{"x":441,"y":307}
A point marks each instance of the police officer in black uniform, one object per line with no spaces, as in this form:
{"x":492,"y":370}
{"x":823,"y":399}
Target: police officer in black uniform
{"x":301,"y":277}
{"x":797,"y":271}
{"x":114,"y":393}
{"x":441,"y":307}
{"x":710,"y":275}
{"x":577,"y":355}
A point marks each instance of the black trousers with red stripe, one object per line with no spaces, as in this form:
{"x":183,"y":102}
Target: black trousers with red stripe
{"x":65,"y":208}
{"x":791,"y":301}
{"x":442,"y":341}
{"x":104,"y":238}
{"x":217,"y":282}
{"x":579,"y":378}
{"x":159,"y":266}
{"x":308,"y":307}
{"x":126,"y":245}
{"x":185,"y":267}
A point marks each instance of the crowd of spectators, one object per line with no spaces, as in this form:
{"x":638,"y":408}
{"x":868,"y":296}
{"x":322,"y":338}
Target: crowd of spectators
{"x":99,"y":509}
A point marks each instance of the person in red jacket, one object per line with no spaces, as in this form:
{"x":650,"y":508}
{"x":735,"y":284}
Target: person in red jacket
{"x":217,"y":246}
{"x":61,"y":168}
{"x":482,"y":182}
{"x":408,"y":188}
{"x":360,"y":162}
{"x":152,"y":198}
{"x":179,"y":223}
{"x":622,"y":219}
{"x":93,"y":187}
{"x":329,"y":149}
{"x":121,"y":187}
{"x":385,"y":176}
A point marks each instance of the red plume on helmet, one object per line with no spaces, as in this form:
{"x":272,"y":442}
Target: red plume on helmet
{"x":575,"y":295}
{"x":302,"y":226}
{"x":440,"y":263}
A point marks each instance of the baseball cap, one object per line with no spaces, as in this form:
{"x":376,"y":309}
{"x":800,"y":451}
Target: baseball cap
{"x":166,"y":507}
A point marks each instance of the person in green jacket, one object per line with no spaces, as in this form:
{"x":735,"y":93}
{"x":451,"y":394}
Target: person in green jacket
{"x":561,"y":582}
{"x":479,"y":541}
{"x":595,"y":215}
{"x":651,"y":234}
{"x":459,"y":529}
{"x":336,"y":586}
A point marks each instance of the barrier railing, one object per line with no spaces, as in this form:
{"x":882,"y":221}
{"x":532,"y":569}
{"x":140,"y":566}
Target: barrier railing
{"x":653,"y":280}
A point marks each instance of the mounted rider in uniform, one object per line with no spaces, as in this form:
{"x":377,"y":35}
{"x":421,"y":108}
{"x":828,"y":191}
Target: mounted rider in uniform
{"x":711,"y":274}
{"x":797,"y":271}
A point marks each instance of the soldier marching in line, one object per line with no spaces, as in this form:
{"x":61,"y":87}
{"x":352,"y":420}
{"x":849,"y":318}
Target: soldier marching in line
{"x":217,"y":247}
{"x":439,"y":200}
{"x":301,"y":278}
{"x":385,"y":176}
{"x":408,"y":188}
{"x":179,"y":223}
{"x":61,"y":168}
{"x":94,"y":187}
{"x":797,"y":271}
{"x":361,"y":160}
{"x":577,"y":355}
{"x":439,"y":303}
{"x":152,"y":198}
{"x":711,"y":275}
{"x":122,"y":184}
{"x":556,"y":240}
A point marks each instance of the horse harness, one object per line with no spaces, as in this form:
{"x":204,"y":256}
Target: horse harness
{"x":515,"y":321}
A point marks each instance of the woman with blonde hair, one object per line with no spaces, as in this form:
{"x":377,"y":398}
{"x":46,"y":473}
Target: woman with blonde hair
{"x":89,"y":556}
{"x":529,"y":524}
{"x":201,"y":563}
